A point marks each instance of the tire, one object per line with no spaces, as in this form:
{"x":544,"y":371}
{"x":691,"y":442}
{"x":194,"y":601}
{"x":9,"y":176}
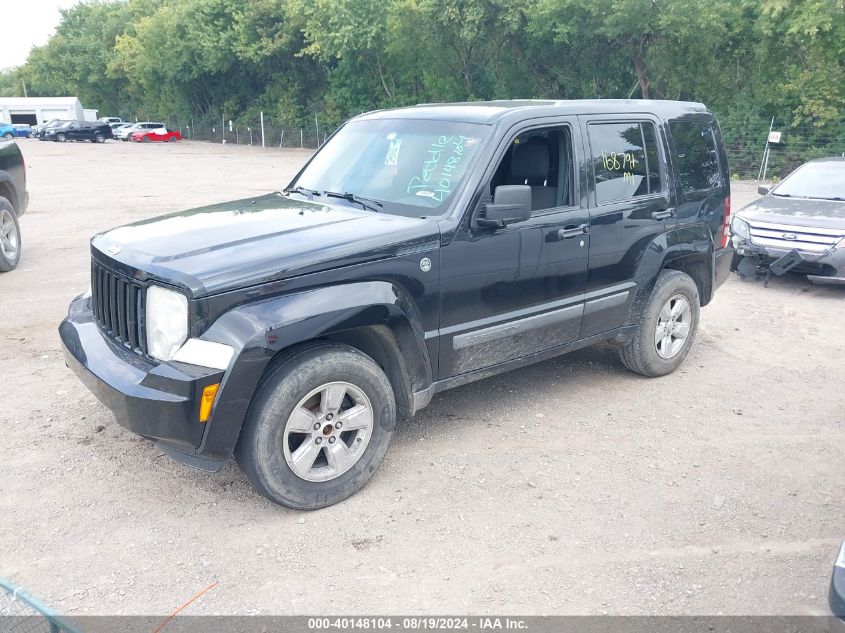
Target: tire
{"x":10,"y":237}
{"x":99,"y":138}
{"x":8,"y":136}
{"x":172,"y":139}
{"x":61,"y":138}
{"x":265,"y":451}
{"x":649,"y":354}
{"x":145,"y":139}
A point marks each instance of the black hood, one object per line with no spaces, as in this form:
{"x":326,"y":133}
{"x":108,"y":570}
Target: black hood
{"x":248,"y":242}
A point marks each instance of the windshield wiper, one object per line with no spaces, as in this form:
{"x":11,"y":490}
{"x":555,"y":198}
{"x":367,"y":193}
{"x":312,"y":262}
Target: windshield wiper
{"x":368,"y":203}
{"x":309,"y":193}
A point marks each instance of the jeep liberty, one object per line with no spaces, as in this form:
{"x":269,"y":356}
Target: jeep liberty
{"x":418,"y":249}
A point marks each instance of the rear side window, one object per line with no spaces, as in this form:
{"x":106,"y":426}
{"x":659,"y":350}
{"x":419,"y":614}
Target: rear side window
{"x":698,"y":162}
{"x":625,"y":160}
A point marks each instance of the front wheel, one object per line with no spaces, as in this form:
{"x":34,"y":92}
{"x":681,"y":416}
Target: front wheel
{"x":61,"y":138}
{"x":318,"y":428}
{"x":10,"y":237}
{"x":145,"y":139}
{"x":667,"y":326}
{"x":8,"y":136}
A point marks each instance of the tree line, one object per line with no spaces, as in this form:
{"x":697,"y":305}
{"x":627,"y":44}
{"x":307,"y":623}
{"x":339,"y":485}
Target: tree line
{"x":748,"y":60}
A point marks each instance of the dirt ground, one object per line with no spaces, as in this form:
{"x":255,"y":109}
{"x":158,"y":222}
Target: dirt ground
{"x":570,"y":487}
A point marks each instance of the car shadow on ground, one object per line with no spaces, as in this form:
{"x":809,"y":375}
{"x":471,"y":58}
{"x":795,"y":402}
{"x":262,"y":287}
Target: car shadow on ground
{"x":795,"y":283}
{"x":516,"y":389}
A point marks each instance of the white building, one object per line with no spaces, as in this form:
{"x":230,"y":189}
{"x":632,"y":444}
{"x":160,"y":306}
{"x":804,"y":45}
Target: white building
{"x":38,"y":110}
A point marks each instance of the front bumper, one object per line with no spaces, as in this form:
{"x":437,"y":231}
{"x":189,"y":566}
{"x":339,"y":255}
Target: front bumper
{"x":159,"y":401}
{"x":828,"y":269}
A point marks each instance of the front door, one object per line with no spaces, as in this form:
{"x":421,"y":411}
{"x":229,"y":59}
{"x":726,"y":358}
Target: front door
{"x":514,"y":291}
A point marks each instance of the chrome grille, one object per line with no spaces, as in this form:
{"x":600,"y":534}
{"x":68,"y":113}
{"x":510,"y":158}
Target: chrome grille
{"x":787,"y":236}
{"x":118,"y":306}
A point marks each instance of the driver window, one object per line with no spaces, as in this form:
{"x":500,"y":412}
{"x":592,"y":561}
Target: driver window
{"x":541,"y":158}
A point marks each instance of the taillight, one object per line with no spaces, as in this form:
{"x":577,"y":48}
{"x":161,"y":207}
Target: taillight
{"x":726,"y":223}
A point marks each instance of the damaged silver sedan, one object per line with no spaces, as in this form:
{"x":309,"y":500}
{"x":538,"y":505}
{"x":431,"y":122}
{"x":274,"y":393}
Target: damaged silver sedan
{"x":797,"y":226}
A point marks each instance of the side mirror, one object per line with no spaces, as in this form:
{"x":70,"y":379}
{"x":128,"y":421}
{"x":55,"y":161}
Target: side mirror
{"x":764,"y":190}
{"x":511,"y":203}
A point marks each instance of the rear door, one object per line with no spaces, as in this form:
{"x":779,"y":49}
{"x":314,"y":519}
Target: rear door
{"x":630,"y":207}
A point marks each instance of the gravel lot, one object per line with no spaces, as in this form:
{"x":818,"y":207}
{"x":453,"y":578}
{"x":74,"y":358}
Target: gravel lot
{"x":571,"y":487}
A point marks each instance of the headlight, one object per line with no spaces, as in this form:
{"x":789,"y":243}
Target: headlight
{"x":167,"y":321}
{"x":740,"y":228}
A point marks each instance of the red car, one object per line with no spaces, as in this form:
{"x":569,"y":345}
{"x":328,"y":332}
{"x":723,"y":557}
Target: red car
{"x":157,"y":134}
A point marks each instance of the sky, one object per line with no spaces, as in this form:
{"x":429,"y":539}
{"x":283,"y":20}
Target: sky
{"x":27,"y":23}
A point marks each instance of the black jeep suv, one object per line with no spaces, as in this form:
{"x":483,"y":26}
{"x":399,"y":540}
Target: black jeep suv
{"x":417,"y":250}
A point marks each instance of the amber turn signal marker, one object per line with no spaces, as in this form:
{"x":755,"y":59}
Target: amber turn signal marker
{"x":208,"y":395}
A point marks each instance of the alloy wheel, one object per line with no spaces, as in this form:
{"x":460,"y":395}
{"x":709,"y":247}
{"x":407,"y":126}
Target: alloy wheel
{"x":9,"y":241}
{"x":328,"y":431}
{"x":673,"y":326}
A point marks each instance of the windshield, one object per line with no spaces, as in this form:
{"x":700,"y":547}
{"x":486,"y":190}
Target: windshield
{"x":815,"y":180}
{"x":412,"y":166}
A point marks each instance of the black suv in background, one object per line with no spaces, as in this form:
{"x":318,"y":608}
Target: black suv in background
{"x":419,"y":249}
{"x":96,"y":132}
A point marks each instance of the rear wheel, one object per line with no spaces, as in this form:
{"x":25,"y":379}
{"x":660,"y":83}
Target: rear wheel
{"x":145,"y":139}
{"x":10,"y":237}
{"x":172,"y":139}
{"x":667,"y":326}
{"x":318,"y":427}
{"x":99,"y":138}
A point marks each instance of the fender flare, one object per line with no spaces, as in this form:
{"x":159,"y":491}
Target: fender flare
{"x":688,"y":248}
{"x":378,"y":316}
{"x":7,"y":184}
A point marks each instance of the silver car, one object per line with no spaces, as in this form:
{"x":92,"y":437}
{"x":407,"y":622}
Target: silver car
{"x":798,"y":226}
{"x":124,"y":133}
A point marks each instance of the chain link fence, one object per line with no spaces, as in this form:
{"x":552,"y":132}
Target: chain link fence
{"x":796,"y":145}
{"x":255,"y":131}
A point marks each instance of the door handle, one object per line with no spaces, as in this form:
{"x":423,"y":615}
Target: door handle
{"x":573,"y":231}
{"x":662,"y":215}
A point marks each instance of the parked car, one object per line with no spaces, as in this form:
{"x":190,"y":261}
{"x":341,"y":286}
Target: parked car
{"x":836,"y":596}
{"x":798,"y":225}
{"x":14,"y":199}
{"x":125,"y":133}
{"x":161,"y":134}
{"x":38,"y":130}
{"x":118,"y":126}
{"x":110,"y":119}
{"x":9,"y":131}
{"x":419,"y":249}
{"x":79,"y":131}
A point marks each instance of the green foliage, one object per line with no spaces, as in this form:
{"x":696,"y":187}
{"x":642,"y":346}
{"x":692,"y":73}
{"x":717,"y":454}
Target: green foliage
{"x":748,"y":60}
